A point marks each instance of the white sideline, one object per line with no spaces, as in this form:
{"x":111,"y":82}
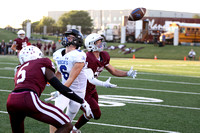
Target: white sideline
{"x":151,"y":80}
{"x":110,"y":125}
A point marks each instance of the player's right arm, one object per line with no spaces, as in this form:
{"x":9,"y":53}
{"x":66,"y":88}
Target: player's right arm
{"x":58,"y":74}
{"x":51,"y":77}
{"x":49,"y":74}
{"x":13,"y":47}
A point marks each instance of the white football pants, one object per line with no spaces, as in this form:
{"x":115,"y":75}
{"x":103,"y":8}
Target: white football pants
{"x":73,"y":107}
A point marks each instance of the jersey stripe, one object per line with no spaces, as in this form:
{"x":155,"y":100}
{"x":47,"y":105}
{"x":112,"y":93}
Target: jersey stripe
{"x":54,"y":116}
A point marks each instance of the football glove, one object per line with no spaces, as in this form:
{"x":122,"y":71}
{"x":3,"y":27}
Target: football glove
{"x":53,"y":95}
{"x":88,"y":111}
{"x":107,"y":84}
{"x":132,"y":73}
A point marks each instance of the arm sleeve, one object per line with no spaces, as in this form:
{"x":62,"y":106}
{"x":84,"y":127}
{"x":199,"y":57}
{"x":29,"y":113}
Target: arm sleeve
{"x":65,"y":90}
{"x":91,"y":79}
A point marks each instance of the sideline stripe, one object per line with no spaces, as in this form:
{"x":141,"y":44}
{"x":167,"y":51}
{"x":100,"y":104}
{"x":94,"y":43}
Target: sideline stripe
{"x":110,"y":125}
{"x":151,"y":80}
{"x":169,"y":91}
{"x":4,"y":112}
{"x":137,"y":128}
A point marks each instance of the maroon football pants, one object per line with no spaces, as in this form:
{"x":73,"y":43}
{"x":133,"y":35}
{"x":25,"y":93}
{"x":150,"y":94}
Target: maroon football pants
{"x":27,"y":103}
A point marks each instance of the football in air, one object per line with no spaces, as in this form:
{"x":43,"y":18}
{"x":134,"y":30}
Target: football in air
{"x":137,"y":14}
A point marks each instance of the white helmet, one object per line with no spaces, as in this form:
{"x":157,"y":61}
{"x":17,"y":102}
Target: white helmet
{"x":29,"y":53}
{"x":21,"y":34}
{"x":90,"y":42}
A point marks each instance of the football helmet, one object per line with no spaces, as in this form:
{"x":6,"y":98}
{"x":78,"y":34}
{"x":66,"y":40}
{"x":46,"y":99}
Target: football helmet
{"x":77,"y":40}
{"x":21,"y":34}
{"x":90,"y":41}
{"x":29,"y":53}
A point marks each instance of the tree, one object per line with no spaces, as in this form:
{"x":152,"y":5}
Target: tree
{"x":35,"y":26}
{"x":79,"y":18}
{"x":24,"y":23}
{"x":196,"y":16}
{"x":49,"y":22}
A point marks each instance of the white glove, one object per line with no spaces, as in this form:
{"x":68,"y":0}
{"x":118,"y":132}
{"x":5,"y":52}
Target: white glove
{"x":107,"y":84}
{"x":132,"y":73}
{"x":87,"y":109}
{"x":53,"y":95}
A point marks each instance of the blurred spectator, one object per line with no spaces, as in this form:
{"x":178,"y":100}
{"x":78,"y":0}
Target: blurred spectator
{"x":191,"y":54}
{"x":45,"y":48}
{"x":33,"y":44}
{"x":163,"y":39}
{"x":49,"y":48}
{"x":53,"y":46}
{"x":3,"y":47}
{"x":10,"y":51}
{"x":39,"y":44}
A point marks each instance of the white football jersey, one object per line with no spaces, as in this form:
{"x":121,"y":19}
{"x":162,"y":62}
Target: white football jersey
{"x":64,"y":66}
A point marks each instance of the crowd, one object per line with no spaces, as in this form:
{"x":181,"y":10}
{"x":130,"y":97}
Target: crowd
{"x":48,"y":48}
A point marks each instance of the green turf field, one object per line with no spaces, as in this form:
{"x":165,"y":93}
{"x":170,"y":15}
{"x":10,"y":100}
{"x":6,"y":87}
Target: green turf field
{"x":163,"y":98}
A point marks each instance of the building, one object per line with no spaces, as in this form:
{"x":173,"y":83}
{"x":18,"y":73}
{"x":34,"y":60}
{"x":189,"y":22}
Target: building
{"x":103,"y":17}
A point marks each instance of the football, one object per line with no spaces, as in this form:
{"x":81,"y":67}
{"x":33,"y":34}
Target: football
{"x":137,"y":14}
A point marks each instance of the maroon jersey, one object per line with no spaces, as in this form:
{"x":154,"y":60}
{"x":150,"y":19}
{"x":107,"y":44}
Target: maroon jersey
{"x":96,"y":66}
{"x":20,"y":43}
{"x":31,"y":75}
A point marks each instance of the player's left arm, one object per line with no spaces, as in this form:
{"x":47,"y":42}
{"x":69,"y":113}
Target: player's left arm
{"x":116,"y":72}
{"x":119,"y":73}
{"x":76,"y":69}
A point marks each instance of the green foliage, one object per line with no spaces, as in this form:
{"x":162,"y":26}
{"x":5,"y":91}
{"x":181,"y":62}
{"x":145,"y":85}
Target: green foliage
{"x":48,"y":21}
{"x":79,"y":18}
{"x":196,"y":16}
{"x":24,"y":22}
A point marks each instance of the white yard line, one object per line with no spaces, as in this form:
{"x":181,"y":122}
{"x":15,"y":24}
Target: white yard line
{"x":153,"y":80}
{"x":169,"y":91}
{"x":120,"y":126}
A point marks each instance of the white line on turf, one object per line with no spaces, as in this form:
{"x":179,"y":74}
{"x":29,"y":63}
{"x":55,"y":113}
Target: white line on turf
{"x":136,"y":128}
{"x":128,"y":127}
{"x":151,"y":80}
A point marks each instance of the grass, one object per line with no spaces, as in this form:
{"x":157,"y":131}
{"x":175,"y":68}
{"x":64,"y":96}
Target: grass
{"x":176,"y":83}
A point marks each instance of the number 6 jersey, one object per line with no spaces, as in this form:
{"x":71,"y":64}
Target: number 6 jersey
{"x":65,"y":63}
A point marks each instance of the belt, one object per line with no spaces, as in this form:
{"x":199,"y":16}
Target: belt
{"x":22,"y":90}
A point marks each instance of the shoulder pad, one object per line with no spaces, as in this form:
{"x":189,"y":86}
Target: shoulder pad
{"x":58,"y":53}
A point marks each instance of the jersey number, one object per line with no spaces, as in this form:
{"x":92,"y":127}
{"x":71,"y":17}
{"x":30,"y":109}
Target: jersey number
{"x":63,"y":70}
{"x":22,"y":73}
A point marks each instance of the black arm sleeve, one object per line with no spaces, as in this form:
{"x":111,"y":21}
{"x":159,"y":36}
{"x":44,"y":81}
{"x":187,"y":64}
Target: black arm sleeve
{"x":65,"y":90}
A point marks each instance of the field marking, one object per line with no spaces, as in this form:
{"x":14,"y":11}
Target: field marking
{"x":169,"y":91}
{"x":159,"y":105}
{"x":129,"y":127}
{"x":111,"y":125}
{"x":153,"y":80}
{"x":7,"y":63}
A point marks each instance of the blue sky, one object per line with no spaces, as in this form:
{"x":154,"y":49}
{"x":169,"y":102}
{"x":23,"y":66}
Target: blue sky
{"x":14,"y":12}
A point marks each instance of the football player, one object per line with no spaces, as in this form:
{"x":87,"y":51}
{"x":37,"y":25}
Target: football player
{"x":97,"y":60}
{"x":30,"y":81}
{"x":71,"y":67}
{"x":20,"y":42}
